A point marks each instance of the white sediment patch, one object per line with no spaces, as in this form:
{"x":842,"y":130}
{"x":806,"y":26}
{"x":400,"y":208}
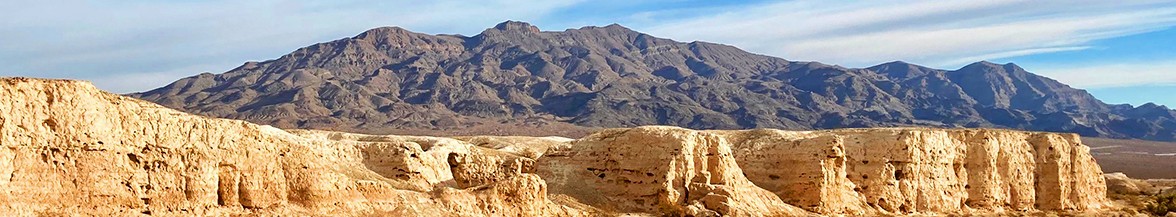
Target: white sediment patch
{"x":1105,"y":147}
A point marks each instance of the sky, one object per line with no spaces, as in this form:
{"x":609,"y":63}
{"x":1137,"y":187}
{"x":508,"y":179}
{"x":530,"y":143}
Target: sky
{"x":1121,"y":51}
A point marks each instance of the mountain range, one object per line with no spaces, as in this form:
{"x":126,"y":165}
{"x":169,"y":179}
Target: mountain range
{"x":514,"y":76}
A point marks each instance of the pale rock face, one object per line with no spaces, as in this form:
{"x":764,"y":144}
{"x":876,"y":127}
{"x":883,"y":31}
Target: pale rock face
{"x":1119,"y":183}
{"x":481,"y":168}
{"x":530,"y":147}
{"x":1000,"y":165}
{"x":657,"y":170}
{"x":915,"y":170}
{"x":805,"y":169}
{"x":67,"y":148}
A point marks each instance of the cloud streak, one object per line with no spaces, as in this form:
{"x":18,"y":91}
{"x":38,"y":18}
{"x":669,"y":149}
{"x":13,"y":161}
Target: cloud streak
{"x":135,"y":46}
{"x":167,"y":40}
{"x":937,"y":33}
{"x":1108,"y":75}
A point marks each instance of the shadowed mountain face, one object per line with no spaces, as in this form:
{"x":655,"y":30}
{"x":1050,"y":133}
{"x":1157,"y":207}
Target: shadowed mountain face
{"x":515,"y":75}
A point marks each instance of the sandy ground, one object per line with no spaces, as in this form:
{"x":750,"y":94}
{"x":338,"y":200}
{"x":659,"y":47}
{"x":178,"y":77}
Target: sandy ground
{"x":1136,"y":158}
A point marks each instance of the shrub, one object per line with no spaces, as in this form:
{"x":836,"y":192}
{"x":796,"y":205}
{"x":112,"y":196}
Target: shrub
{"x":1161,"y":205}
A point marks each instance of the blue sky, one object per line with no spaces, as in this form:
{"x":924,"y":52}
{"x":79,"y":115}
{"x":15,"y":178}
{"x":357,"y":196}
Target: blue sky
{"x":1122,"y":51}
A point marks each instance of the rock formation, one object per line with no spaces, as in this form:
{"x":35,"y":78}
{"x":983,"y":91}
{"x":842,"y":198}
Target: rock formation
{"x":67,"y":148}
{"x":918,"y":170}
{"x":658,"y":170}
{"x":1119,"y":183}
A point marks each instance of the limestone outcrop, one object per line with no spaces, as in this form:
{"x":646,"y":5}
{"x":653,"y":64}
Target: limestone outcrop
{"x":1119,"y":183}
{"x":658,"y":170}
{"x":67,"y":148}
{"x":918,"y":170}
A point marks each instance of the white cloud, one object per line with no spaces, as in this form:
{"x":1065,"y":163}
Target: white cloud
{"x":1012,"y":53}
{"x":133,"y":46}
{"x":937,"y":33}
{"x":100,"y":40}
{"x":1160,"y":72}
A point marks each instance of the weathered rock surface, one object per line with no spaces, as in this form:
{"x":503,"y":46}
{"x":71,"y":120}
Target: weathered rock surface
{"x":915,"y":170}
{"x":1119,"y":183}
{"x":530,"y":147}
{"x":658,"y":170}
{"x":67,"y":148}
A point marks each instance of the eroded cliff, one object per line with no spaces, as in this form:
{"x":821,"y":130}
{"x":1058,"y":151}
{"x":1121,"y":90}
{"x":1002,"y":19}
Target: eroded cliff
{"x":915,"y":170}
{"x":69,"y":148}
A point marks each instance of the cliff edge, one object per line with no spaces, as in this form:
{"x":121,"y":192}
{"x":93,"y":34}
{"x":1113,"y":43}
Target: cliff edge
{"x":68,"y":148}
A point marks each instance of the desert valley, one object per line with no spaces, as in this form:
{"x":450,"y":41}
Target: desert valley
{"x":593,"y":121}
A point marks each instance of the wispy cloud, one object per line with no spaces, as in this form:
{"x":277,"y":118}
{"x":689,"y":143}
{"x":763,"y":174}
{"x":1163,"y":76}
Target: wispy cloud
{"x":133,"y":46}
{"x":166,"y":40}
{"x":937,"y":33}
{"x":1012,"y":53}
{"x":1138,"y":73}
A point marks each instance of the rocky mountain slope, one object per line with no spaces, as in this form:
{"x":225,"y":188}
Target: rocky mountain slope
{"x":67,"y":148}
{"x":514,"y":76}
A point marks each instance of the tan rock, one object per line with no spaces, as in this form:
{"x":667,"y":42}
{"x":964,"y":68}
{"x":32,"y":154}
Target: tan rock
{"x":657,"y":170}
{"x":67,"y":148}
{"x":530,"y":147}
{"x":485,"y":167}
{"x":917,"y":170}
{"x":1119,"y":183}
{"x":805,"y":169}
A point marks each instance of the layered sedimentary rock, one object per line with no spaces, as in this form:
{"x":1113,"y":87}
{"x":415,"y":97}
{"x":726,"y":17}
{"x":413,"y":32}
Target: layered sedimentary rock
{"x":658,"y":170}
{"x":67,"y":148}
{"x":898,"y":171}
{"x":804,"y":168}
{"x":530,"y":147}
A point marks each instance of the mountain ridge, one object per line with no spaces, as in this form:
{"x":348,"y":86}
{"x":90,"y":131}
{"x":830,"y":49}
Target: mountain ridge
{"x":516,"y":75}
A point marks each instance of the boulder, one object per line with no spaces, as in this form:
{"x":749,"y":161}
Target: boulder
{"x":1119,"y":183}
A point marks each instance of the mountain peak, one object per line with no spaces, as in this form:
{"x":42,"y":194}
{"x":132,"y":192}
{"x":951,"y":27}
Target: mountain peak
{"x":511,"y":25}
{"x":982,"y":65}
{"x":1152,"y":105}
{"x":894,"y":64}
{"x":613,"y":28}
{"x":382,"y":32}
{"x":616,"y":26}
{"x":900,"y":69}
{"x":994,"y":65}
